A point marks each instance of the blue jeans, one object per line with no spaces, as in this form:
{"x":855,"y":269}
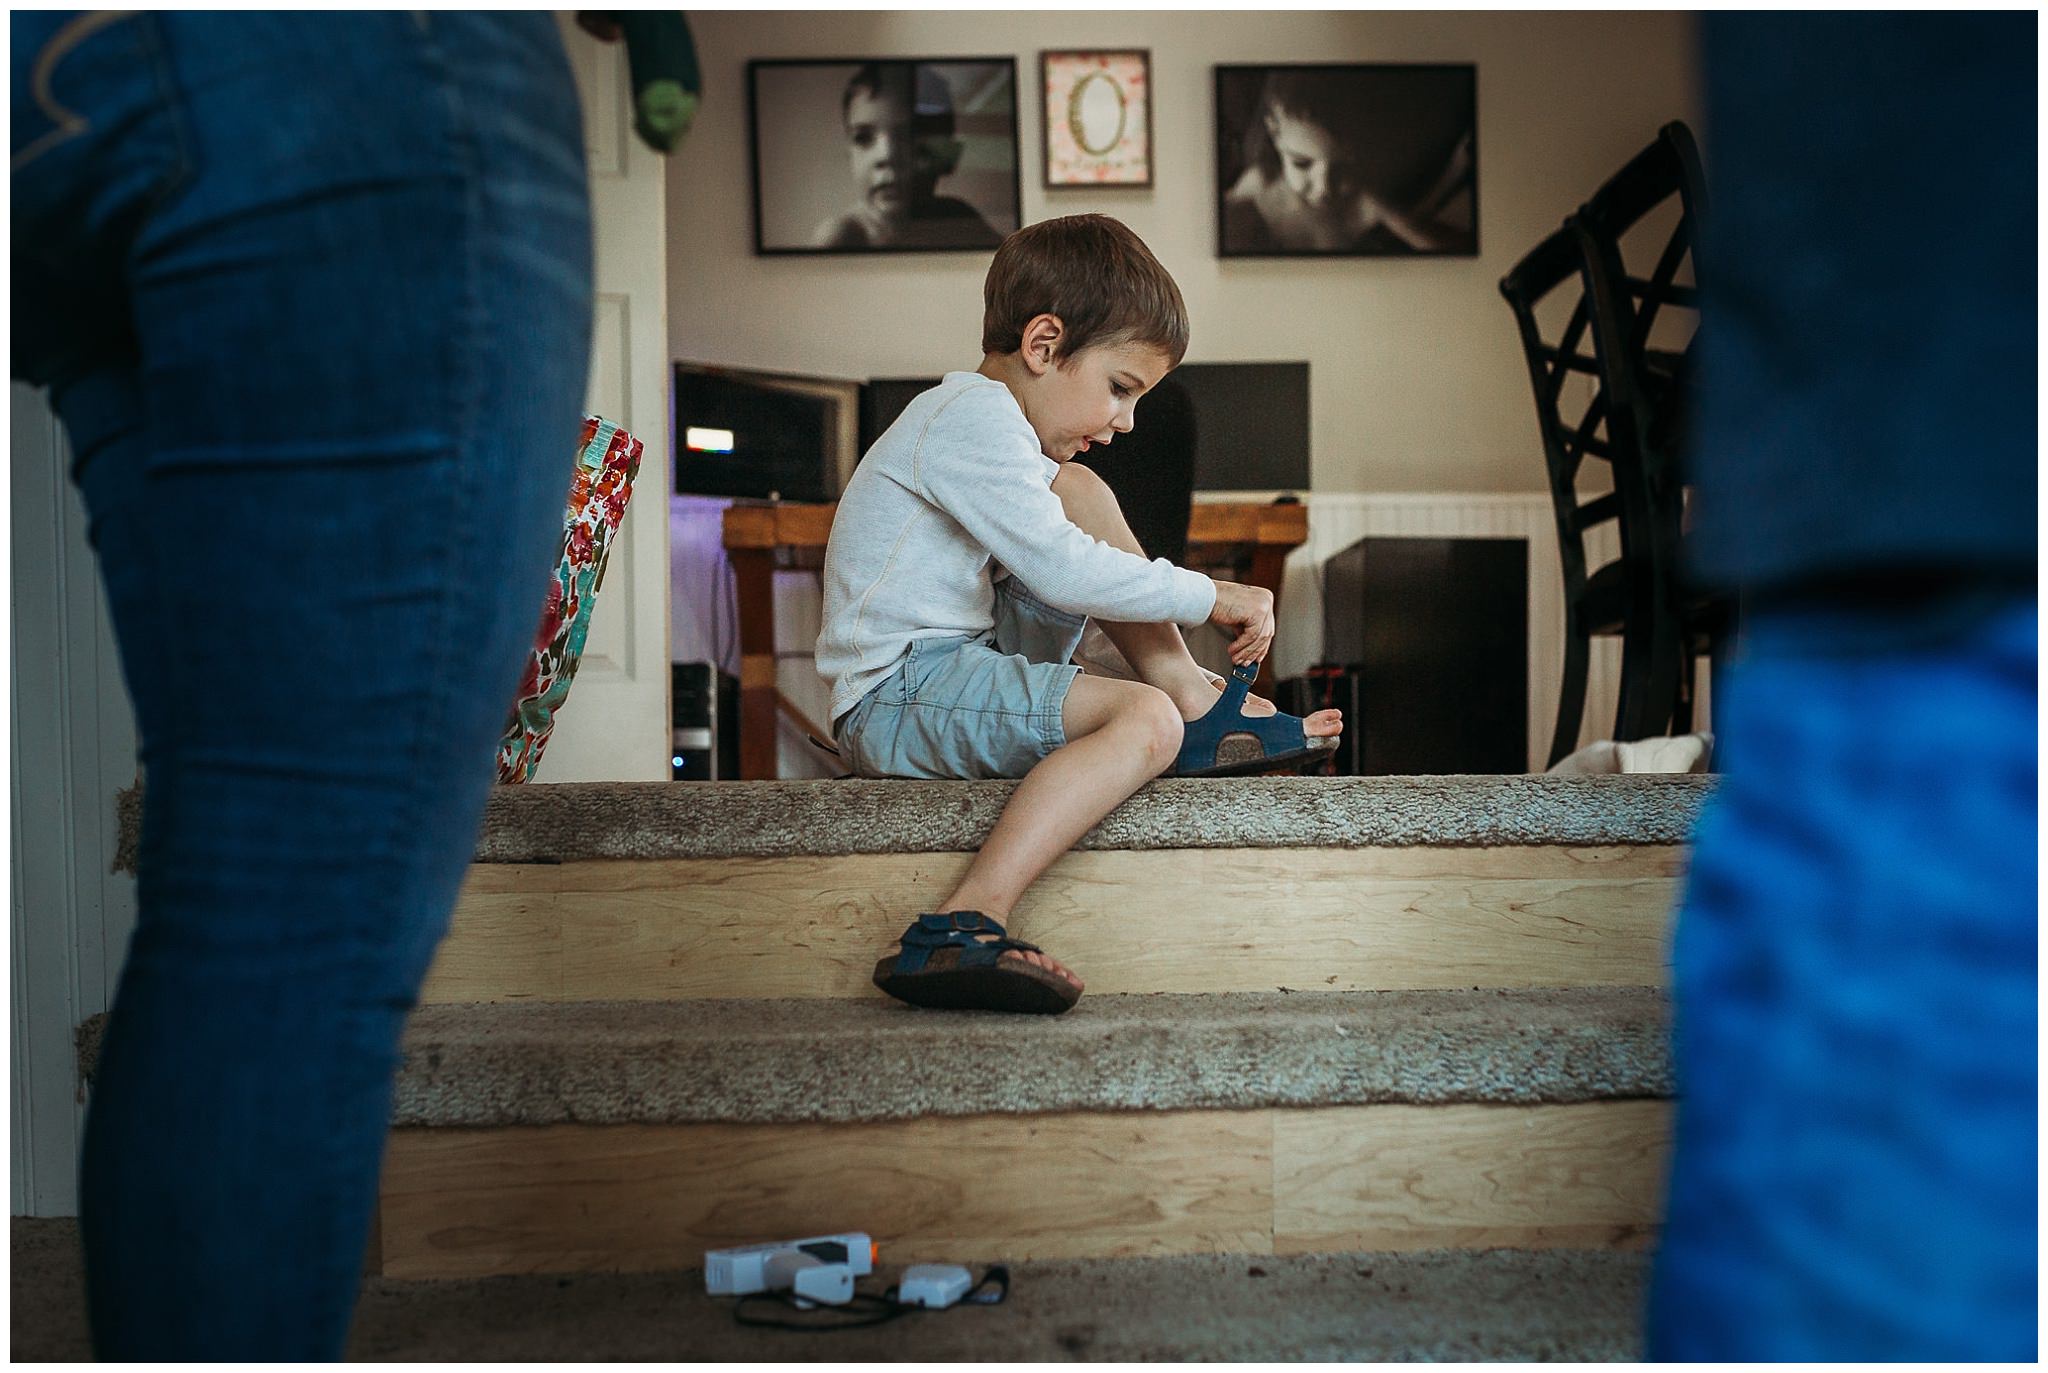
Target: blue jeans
{"x":312,"y":295}
{"x":1854,"y":1170}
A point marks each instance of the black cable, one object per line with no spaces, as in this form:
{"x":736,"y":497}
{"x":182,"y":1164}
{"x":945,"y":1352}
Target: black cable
{"x":878,"y":1310}
{"x":873,"y":1309}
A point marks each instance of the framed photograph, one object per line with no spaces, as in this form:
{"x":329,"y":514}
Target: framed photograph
{"x":884,"y":154}
{"x":1098,"y":117}
{"x":1371,"y":160}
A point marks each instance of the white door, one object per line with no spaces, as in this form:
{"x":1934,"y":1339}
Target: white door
{"x":615,"y":723}
{"x":72,"y":741}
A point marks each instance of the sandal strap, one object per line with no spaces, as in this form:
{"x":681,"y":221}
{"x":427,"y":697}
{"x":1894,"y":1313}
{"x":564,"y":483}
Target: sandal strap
{"x":1277,"y":733}
{"x":961,"y":930}
{"x":1242,"y":675}
{"x":981,"y":954}
{"x":950,"y":927}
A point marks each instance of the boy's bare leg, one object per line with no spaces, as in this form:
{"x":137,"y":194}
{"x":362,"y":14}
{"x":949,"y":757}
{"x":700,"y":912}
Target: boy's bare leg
{"x":1120,"y":735}
{"x":1156,"y":652}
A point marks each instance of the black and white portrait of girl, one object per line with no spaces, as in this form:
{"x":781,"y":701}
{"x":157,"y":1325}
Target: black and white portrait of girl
{"x":1357,"y":160}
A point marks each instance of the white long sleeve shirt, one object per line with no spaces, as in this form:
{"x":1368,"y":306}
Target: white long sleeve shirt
{"x":953,"y":493}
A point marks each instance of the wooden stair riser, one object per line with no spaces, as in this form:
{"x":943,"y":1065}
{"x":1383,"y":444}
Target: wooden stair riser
{"x":1184,"y":920}
{"x":466,"y":1203}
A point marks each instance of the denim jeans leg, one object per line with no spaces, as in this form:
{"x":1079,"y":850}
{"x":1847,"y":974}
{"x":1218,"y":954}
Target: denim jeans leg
{"x":1854,"y":1163}
{"x":324,"y":442}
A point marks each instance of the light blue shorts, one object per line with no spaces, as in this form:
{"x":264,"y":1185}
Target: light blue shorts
{"x":989,"y":706}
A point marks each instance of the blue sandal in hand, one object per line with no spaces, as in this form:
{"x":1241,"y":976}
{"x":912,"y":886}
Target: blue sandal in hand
{"x":946,"y":964}
{"x":1227,"y":741}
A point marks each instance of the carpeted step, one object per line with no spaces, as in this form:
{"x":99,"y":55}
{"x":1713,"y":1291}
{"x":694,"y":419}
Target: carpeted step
{"x":872,"y":1060}
{"x":835,"y":1061}
{"x":572,"y":822}
{"x":632,"y":1137}
{"x":788,"y":889}
{"x":1495,"y":1305}
{"x":600,"y":1137}
{"x":1128,"y":921}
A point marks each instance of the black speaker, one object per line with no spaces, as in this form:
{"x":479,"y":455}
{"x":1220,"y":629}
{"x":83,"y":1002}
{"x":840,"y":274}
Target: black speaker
{"x":704,"y":717}
{"x":1437,"y":631}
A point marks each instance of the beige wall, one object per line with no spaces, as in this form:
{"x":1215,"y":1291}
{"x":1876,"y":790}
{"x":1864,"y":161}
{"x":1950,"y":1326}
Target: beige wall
{"x":1417,"y":382}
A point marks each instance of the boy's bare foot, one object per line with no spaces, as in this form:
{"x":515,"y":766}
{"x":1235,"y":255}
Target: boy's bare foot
{"x":1036,"y":960}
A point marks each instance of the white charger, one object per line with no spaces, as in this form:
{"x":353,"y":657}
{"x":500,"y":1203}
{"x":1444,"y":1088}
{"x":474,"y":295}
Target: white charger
{"x":804,"y":1266}
{"x":934,"y":1286}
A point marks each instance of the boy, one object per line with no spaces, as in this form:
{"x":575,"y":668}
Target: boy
{"x":965,"y":557}
{"x":898,"y":118}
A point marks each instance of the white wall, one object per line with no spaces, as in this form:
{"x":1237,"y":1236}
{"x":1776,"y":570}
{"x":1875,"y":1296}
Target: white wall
{"x":1416,"y":380}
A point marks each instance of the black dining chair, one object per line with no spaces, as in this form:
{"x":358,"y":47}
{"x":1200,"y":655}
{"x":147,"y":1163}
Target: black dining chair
{"x":1644,"y":314}
{"x":1614,"y":599}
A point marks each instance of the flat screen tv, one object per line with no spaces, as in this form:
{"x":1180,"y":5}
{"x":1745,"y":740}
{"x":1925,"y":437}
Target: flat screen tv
{"x":763,"y":435}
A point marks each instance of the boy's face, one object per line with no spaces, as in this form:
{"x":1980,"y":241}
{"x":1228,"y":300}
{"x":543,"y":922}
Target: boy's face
{"x":1312,"y":162}
{"x":1089,"y":397}
{"x":893,"y":168}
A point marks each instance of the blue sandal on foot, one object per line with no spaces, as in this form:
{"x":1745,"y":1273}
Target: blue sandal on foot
{"x":945,"y":964}
{"x":1227,"y":741}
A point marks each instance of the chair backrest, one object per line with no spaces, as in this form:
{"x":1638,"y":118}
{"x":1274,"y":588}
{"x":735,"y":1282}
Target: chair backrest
{"x":1644,"y":316}
{"x":1552,"y":273}
{"x":1152,"y":470}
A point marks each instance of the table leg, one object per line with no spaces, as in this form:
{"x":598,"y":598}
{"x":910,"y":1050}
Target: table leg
{"x":754,"y":572}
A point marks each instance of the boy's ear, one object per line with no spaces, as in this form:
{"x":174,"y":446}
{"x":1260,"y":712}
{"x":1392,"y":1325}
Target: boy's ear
{"x":1042,"y":337}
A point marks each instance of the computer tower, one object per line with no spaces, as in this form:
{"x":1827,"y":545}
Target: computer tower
{"x":705,"y":743}
{"x":1437,"y":631}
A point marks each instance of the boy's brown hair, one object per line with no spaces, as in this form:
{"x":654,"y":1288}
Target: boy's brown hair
{"x":1096,"y":275}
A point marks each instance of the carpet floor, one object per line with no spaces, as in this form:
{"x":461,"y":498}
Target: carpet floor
{"x":1503,"y":1305}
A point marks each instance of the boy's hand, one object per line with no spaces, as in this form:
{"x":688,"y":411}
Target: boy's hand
{"x":1248,"y":612}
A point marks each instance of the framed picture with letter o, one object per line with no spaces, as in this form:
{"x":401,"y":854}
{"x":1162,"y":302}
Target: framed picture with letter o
{"x":883,"y":155}
{"x":1098,"y":117}
{"x":1347,"y":160}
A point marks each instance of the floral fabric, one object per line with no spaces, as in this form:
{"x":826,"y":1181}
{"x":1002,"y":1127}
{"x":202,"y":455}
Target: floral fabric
{"x":607,"y":461}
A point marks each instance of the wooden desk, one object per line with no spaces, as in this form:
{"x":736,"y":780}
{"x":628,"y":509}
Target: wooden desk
{"x":1248,"y":542}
